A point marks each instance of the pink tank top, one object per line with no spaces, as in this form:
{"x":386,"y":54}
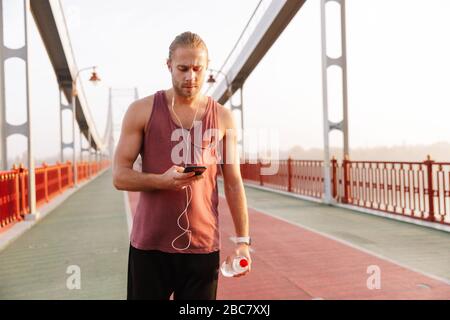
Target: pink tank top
{"x":155,"y":220}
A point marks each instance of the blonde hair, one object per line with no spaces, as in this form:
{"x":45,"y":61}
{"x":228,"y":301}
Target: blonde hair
{"x":187,"y":39}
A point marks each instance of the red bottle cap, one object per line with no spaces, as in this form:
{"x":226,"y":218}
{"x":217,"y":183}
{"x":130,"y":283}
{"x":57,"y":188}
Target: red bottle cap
{"x":243,"y":263}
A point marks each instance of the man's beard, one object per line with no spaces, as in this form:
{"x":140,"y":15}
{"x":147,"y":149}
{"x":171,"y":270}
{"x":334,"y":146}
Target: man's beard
{"x":185,"y":92}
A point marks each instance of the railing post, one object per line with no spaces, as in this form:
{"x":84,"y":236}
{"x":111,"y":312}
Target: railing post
{"x":58,"y":165}
{"x":334,"y":177}
{"x":2,"y":211}
{"x":429,"y":164}
{"x":44,"y":166}
{"x":23,"y":196}
{"x":70,"y":173}
{"x":346,"y":167}
{"x":10,"y":184}
{"x":289,"y":164}
{"x":17,"y":191}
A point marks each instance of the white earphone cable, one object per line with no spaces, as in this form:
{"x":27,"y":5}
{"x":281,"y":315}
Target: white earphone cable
{"x":188,"y":197}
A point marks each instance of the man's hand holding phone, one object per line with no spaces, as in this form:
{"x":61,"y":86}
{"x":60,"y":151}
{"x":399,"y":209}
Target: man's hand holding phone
{"x":175,"y":178}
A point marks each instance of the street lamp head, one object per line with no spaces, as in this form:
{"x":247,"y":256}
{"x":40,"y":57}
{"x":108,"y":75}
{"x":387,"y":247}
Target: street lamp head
{"x":94,"y":78}
{"x":211,"y":79}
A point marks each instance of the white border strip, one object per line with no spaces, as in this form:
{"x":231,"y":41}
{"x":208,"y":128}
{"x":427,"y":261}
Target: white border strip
{"x":393,"y":216}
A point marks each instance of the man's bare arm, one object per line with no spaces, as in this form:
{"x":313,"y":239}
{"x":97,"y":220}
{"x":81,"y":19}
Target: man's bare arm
{"x":127,"y":150}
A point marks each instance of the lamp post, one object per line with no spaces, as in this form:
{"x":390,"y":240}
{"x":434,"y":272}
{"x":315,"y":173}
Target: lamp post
{"x":94,"y":78}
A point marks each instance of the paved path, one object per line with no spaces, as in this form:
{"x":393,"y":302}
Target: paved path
{"x":302,"y":250}
{"x":88,"y":230}
{"x":305,"y":250}
{"x":334,"y":253}
{"x":415,"y":246}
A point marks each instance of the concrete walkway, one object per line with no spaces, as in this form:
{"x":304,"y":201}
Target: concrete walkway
{"x":89,"y":231}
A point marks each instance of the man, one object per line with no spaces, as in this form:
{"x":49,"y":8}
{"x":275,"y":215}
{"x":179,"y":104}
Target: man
{"x":175,"y":237}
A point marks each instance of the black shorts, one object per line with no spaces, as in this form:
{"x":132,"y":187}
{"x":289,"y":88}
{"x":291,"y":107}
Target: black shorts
{"x":155,"y":275}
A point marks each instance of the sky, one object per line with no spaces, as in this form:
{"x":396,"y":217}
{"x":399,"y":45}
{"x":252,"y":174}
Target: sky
{"x":397,"y":56}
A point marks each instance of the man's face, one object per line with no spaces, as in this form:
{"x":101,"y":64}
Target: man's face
{"x":188,"y":67}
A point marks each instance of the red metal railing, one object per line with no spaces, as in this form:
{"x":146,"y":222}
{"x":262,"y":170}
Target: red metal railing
{"x":304,"y":177}
{"x":9,"y":197}
{"x":50,"y":182}
{"x":419,"y":190}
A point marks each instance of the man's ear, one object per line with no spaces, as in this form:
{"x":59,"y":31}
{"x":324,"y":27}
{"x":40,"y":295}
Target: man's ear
{"x":169,"y":64}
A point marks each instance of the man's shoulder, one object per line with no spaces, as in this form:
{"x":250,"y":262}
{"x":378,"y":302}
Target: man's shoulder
{"x":140,"y":110}
{"x":142,"y":107}
{"x":143,"y":103}
{"x":223,"y":112}
{"x":225,"y":116}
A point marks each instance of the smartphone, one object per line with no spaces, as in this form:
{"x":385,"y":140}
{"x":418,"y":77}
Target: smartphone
{"x":197,"y":169}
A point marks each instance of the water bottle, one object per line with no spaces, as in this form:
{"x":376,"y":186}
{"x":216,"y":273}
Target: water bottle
{"x":238,"y":265}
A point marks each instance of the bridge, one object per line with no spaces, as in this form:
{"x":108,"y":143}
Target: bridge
{"x":329,"y":228}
